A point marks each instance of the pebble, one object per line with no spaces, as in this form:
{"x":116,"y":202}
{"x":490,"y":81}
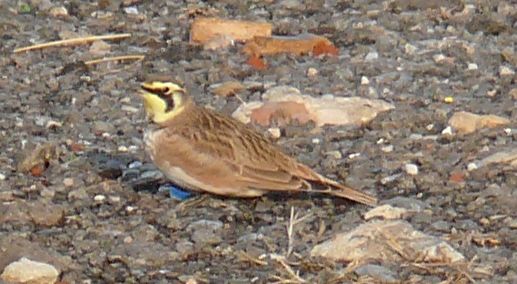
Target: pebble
{"x":2,"y":176}
{"x":275,"y":132}
{"x":99,"y":198}
{"x":387,"y":149}
{"x":131,"y":10}
{"x":312,"y":72}
{"x":411,"y":169}
{"x":372,"y":55}
{"x":365,"y":80}
{"x":447,"y":131}
{"x":472,"y":66}
{"x":506,"y":71}
{"x":316,"y":141}
{"x":59,"y":11}
{"x":472,"y":167}
{"x":28,"y":271}
{"x":122,"y":148}
{"x":135,"y":164}
{"x":68,"y":182}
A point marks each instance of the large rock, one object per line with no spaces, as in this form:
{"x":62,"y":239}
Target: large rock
{"x":30,"y":272}
{"x":390,"y":241}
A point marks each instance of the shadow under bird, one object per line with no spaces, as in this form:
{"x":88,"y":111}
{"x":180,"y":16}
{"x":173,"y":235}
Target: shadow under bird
{"x":202,"y":150}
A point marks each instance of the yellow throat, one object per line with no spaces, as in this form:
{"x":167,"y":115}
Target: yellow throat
{"x":162,"y":100}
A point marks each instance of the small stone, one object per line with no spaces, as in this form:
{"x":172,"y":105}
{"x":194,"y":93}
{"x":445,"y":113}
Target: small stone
{"x":68,"y":182}
{"x":372,"y":55}
{"x":365,"y":80}
{"x":472,"y":167}
{"x":131,"y":10}
{"x":411,"y":169}
{"x":506,"y":71}
{"x":128,"y":240}
{"x":316,"y":141}
{"x":410,"y":49}
{"x":508,"y":131}
{"x":448,"y":100}
{"x":447,"y":131}
{"x":122,"y":148}
{"x":2,"y":176}
{"x":354,"y":155}
{"x":438,"y":58}
{"x":312,"y":72}
{"x":57,"y":12}
{"x":99,"y":198}
{"x":387,"y":149}
{"x":472,"y":66}
{"x":387,"y":212}
{"x":28,"y":271}
{"x":275,"y":132}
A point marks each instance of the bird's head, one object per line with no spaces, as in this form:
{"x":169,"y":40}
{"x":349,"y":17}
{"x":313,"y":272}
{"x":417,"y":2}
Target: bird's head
{"x":163,"y":100}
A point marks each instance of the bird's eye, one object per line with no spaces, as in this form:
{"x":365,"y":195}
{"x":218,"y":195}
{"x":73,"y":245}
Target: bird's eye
{"x":166,"y":90}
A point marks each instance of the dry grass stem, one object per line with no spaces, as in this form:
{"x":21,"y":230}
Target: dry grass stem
{"x":295,"y":278}
{"x":72,"y":41}
{"x":115,"y":58}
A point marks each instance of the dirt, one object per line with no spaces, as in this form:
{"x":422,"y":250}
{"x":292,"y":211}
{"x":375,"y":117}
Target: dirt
{"x":94,"y":208}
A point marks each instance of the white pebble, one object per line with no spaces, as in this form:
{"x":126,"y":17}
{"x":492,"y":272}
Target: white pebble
{"x":447,"y":131}
{"x":2,"y":176}
{"x":312,"y":72}
{"x":508,"y":131}
{"x":354,"y":155}
{"x":275,"y":132}
{"x":316,"y":141}
{"x":506,"y":71}
{"x":387,"y":149}
{"x":130,"y":209}
{"x":364,"y":80}
{"x":429,"y":127}
{"x":131,"y":10}
{"x":438,"y":58}
{"x":472,"y":66}
{"x":115,"y":199}
{"x":472,"y":167}
{"x":68,"y":182}
{"x":371,"y":56}
{"x":122,"y":148}
{"x":99,"y":198}
{"x":411,"y":169}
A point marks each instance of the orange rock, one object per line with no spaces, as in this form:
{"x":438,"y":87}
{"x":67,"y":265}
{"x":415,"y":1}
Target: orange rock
{"x":257,"y":63}
{"x":205,"y":30}
{"x":37,"y":170}
{"x":467,"y":122}
{"x":281,"y":112}
{"x":457,"y":177}
{"x":297,"y":45}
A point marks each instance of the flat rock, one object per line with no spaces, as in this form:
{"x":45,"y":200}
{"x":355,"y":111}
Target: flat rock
{"x":389,"y":241}
{"x":325,"y":110}
{"x":467,"y":122}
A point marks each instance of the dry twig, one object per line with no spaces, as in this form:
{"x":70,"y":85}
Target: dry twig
{"x":72,"y":41}
{"x":295,"y":278}
{"x":115,"y":58}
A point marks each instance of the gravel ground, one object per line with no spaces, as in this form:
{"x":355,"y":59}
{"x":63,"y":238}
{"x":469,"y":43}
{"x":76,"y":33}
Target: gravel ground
{"x":94,"y":210}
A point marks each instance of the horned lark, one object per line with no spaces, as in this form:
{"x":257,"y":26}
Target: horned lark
{"x":202,"y":150}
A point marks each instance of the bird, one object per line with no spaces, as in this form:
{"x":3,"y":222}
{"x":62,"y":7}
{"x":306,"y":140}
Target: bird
{"x":202,"y":150}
